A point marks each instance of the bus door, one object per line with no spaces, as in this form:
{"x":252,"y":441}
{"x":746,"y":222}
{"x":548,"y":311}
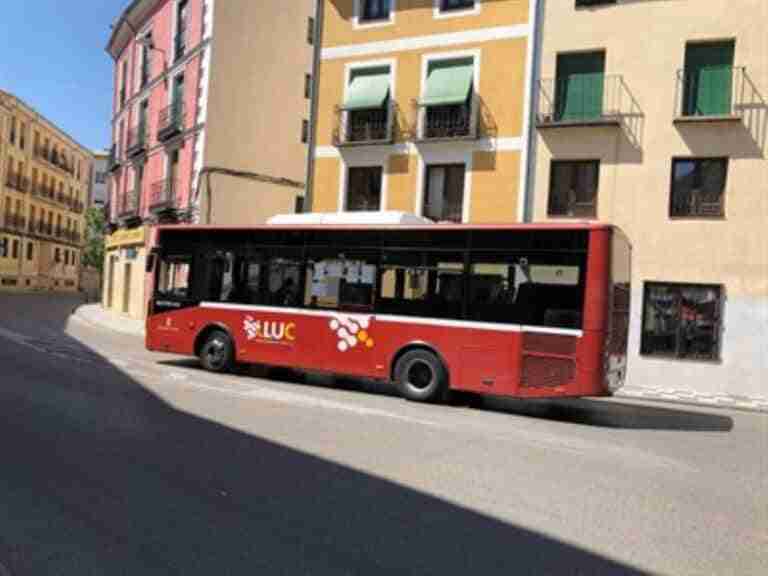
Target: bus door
{"x":173,"y":293}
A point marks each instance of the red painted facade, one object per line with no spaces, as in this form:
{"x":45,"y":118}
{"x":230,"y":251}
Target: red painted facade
{"x":160,"y":20}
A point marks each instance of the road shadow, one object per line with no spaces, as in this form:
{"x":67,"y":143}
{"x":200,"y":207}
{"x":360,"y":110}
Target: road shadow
{"x":102,"y":476}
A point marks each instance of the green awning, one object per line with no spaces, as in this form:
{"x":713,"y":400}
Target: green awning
{"x":367,"y":91}
{"x":449,"y":84}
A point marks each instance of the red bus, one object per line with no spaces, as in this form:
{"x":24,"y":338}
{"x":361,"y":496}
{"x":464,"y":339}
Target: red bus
{"x":528,"y":311}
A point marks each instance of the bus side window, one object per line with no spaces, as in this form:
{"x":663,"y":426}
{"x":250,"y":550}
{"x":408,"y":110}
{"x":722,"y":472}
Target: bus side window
{"x":174,"y":277}
{"x":284,"y":282}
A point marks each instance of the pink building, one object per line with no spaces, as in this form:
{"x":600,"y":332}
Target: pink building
{"x":161,"y":50}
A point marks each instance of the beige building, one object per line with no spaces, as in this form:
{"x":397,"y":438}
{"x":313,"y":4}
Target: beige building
{"x":654,"y":116}
{"x":44,"y":182}
{"x":258,"y":110}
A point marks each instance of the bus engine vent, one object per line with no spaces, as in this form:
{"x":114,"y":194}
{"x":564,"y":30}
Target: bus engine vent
{"x":549,"y":344}
{"x":547,"y":372}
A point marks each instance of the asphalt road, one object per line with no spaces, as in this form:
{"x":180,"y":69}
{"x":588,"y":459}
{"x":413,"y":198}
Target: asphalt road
{"x":117,"y":461}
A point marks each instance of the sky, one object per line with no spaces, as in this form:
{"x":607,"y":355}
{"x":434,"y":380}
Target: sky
{"x":52,"y":57}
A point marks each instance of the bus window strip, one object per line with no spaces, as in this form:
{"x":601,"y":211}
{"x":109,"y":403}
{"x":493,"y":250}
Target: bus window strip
{"x":469,"y":324}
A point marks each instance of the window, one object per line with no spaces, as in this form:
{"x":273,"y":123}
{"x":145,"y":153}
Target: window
{"x":174,"y":277}
{"x":444,"y":193}
{"x":448,"y":103}
{"x":535,"y":290}
{"x":341,"y":281}
{"x":310,"y":31}
{"x":582,"y":3}
{"x":123,"y":82}
{"x":374,"y":10}
{"x":22,"y":135}
{"x":698,"y":187}
{"x":284,"y":282}
{"x":307,"y":86}
{"x":580,"y":80}
{"x":180,"y":42}
{"x":66,"y":257}
{"x":304,"y":131}
{"x":15,"y":255}
{"x":682,"y":321}
{"x":13,"y":131}
{"x":450,"y":5}
{"x":366,"y":110}
{"x":57,"y":255}
{"x":573,"y":188}
{"x":30,"y":251}
{"x":364,"y":188}
{"x":3,"y":247}
{"x":426,"y":284}
{"x":708,"y":79}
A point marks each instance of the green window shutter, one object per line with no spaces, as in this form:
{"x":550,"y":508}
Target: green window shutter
{"x":708,"y":79}
{"x":580,"y":82}
{"x":449,"y":82}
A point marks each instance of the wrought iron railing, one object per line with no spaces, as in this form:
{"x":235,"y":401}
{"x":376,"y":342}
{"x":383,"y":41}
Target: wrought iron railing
{"x":113,"y":162}
{"x":170,"y":120}
{"x":162,"y":195}
{"x":14,"y":221}
{"x":711,"y":92}
{"x":582,"y":99}
{"x":129,"y":205}
{"x":136,"y":142}
{"x":17,"y":182}
{"x":369,"y":126}
{"x":448,"y":122}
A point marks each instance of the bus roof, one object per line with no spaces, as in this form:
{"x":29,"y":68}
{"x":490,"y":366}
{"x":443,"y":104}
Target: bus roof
{"x":364,"y":227}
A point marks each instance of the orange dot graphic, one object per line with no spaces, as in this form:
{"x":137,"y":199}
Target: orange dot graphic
{"x":370,"y":343}
{"x":362,"y":335}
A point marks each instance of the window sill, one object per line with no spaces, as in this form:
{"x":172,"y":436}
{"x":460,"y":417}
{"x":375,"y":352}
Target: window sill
{"x":713,"y":119}
{"x":697,"y":218}
{"x":665,"y":357}
{"x":361,"y":24}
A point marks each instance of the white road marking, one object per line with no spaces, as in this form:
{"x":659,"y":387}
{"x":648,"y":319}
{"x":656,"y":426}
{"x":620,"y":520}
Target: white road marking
{"x":295,"y":399}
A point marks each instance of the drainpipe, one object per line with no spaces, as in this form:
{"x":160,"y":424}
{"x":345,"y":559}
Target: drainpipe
{"x":533,"y":66}
{"x":316,"y":52}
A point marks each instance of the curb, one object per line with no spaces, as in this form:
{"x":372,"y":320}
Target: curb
{"x":113,"y":325}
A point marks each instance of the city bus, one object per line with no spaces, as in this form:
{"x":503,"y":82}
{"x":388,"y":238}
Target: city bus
{"x":527,"y":311}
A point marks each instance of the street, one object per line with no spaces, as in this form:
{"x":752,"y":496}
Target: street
{"x":118,"y":461}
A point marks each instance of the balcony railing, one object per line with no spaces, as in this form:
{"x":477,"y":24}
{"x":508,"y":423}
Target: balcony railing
{"x":448,"y":122}
{"x":129,"y":206}
{"x":714,"y":93}
{"x":54,"y":158}
{"x":12,"y":221}
{"x":17,"y":182}
{"x":360,"y":127}
{"x":137,"y":140}
{"x":582,"y":100}
{"x":113,"y":163}
{"x":180,"y":43}
{"x":163,"y":196}
{"x":170,"y":121}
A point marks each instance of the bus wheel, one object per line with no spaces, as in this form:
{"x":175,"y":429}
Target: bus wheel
{"x":217,"y":354}
{"x":421,"y":376}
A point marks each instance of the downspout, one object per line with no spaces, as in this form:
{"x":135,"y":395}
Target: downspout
{"x":316,"y":53}
{"x":533,"y":68}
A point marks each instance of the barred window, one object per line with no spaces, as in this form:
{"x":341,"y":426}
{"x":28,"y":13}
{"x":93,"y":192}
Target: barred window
{"x":698,"y":187}
{"x":682,"y":321}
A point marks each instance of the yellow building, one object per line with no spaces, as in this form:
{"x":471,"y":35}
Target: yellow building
{"x":44,"y":179}
{"x":653,"y":116}
{"x":422,"y":107}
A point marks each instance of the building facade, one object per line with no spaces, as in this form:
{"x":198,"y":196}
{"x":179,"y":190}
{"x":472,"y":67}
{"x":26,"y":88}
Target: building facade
{"x":99,"y":176}
{"x":653,"y":116}
{"x":162,"y":54}
{"x":207,"y":124}
{"x":422,"y":108}
{"x":44,"y":179}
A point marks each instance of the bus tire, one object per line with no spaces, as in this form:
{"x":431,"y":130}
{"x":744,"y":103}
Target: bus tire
{"x":421,"y":376}
{"x":217,"y":353}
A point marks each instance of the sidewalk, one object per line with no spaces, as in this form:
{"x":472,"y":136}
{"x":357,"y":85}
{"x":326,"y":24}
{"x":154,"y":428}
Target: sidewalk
{"x":95,"y":315}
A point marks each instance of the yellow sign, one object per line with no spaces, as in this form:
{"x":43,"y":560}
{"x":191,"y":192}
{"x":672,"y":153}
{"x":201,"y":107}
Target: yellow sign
{"x":126,"y":238}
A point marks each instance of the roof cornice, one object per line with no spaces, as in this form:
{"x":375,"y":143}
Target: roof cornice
{"x":126,"y":26}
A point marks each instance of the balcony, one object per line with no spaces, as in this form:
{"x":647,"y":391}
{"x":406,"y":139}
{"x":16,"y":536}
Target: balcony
{"x":113,"y":163}
{"x":53,"y":158}
{"x":163,"y":198}
{"x":43,"y":192}
{"x":170,"y":121}
{"x":16,"y":181}
{"x":128,"y":208}
{"x":447,"y":122}
{"x":136,"y":143}
{"x":78,"y":207}
{"x":14,"y":222}
{"x":180,"y":44}
{"x":710,"y":94}
{"x":364,"y":127}
{"x":583,"y":100}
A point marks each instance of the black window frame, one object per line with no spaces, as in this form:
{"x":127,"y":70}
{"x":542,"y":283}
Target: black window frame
{"x":650,"y":351}
{"x":456,"y":5}
{"x":572,"y":162}
{"x":698,"y":161}
{"x":594,"y":3}
{"x":348,"y":192}
{"x":448,"y":167}
{"x":367,"y":16}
